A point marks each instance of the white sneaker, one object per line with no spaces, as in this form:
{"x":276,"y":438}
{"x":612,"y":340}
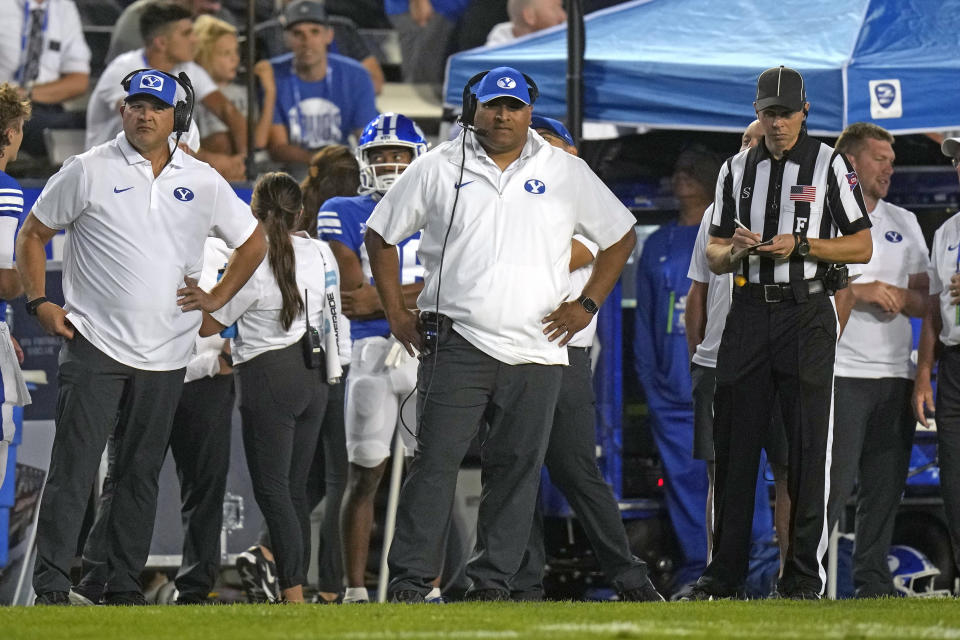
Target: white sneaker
{"x":356,"y":595}
{"x":434,"y":597}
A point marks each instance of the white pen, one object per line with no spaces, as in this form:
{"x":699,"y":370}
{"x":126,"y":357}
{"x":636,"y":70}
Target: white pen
{"x":742,"y":226}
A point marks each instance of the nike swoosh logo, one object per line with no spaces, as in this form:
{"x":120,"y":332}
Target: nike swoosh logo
{"x":953,"y":247}
{"x":462,"y":184}
{"x":115,"y":190}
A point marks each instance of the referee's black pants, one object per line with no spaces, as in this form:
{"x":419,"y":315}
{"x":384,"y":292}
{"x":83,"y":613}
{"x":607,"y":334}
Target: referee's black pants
{"x":768,"y":348}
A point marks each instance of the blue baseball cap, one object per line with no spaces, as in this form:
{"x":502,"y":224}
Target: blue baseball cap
{"x":553,"y":126}
{"x":503,"y":82}
{"x":155,"y":84}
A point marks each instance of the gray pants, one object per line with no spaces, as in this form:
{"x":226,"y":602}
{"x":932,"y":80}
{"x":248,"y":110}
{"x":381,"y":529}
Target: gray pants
{"x":99,"y":396}
{"x":467,"y":388}
{"x":872,"y":439}
{"x":423,"y":49}
{"x":572,"y":462}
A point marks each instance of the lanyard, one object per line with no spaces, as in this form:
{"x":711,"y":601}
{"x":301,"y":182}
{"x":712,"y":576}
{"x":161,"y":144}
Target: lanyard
{"x":295,"y":84}
{"x":24,"y":34}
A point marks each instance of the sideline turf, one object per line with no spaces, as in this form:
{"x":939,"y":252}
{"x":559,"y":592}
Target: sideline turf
{"x":899,"y":619}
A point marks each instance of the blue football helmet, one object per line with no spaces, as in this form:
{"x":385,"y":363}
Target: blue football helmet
{"x":387,"y":130}
{"x":913,"y":574}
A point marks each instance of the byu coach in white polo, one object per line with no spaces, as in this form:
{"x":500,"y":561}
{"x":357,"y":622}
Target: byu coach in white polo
{"x":136,"y":211}
{"x":498,"y":208}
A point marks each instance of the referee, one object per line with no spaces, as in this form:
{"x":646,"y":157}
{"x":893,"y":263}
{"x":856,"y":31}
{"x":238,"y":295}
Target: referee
{"x":795,"y":197}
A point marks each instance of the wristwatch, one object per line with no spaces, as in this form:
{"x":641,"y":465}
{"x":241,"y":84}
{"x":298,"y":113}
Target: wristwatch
{"x":32,"y":305}
{"x":588,"y":304}
{"x":803,"y":247}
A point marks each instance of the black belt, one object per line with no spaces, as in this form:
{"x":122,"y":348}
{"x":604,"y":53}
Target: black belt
{"x":781,"y":292}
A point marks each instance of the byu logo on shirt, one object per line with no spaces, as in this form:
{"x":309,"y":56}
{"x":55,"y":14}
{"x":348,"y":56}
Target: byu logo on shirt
{"x":506,"y":82}
{"x":154,"y":83}
{"x":893,"y":236}
{"x":183,"y":194}
{"x":534,"y":186}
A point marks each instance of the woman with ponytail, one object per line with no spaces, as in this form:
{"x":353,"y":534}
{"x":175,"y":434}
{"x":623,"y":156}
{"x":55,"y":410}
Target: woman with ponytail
{"x":283,"y":374}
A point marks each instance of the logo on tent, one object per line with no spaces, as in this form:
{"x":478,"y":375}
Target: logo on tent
{"x":885,"y":99}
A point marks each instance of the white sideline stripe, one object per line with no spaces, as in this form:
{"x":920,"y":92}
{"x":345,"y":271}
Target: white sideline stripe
{"x":415,"y":635}
{"x":761,"y":630}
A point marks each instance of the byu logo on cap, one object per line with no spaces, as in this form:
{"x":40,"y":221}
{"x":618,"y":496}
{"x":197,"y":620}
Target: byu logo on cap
{"x":506,"y":82}
{"x":886,"y":100}
{"x":151,"y":82}
{"x":893,"y":236}
{"x":535,"y":186}
{"x":183,"y":194}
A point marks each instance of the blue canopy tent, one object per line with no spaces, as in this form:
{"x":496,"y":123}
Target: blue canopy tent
{"x":693,"y":64}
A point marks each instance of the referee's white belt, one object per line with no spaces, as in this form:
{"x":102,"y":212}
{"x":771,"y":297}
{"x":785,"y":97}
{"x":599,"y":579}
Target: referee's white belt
{"x":781,"y":291}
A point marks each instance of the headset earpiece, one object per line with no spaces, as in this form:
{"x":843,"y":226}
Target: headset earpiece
{"x":470,"y":99}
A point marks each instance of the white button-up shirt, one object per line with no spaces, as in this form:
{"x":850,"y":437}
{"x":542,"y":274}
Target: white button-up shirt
{"x":507,"y":258}
{"x":944,"y":263}
{"x":130,"y":240}
{"x":64,"y":48}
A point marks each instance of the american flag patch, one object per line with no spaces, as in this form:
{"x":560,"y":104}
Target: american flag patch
{"x":852,"y":180}
{"x":803,"y":193}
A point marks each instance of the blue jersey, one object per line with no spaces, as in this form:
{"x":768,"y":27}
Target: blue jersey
{"x":327,"y":111}
{"x":344,"y":220}
{"x":11,"y":212}
{"x":660,"y":343}
{"x":449,"y":9}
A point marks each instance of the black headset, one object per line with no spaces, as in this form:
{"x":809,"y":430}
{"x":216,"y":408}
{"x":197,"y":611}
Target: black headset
{"x":183,"y":110}
{"x":470,"y":98}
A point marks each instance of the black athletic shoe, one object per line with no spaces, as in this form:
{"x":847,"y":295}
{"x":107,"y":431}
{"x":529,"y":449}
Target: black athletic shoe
{"x":407,"y":596}
{"x":259,"y":576}
{"x":52,"y":599}
{"x":802,"y":594}
{"x":85,"y":595}
{"x":191,"y":598}
{"x":486,"y":595}
{"x":700,"y":593}
{"x":124,"y":599}
{"x":644,"y":593}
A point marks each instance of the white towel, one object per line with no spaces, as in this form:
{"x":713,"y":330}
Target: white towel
{"x":15,"y":391}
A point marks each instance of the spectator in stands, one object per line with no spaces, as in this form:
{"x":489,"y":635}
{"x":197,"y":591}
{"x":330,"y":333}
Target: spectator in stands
{"x":126,"y":33}
{"x":169,"y":45}
{"x":347,"y":42}
{"x":219,"y":55}
{"x":425,"y":28}
{"x":45,"y":54}
{"x":527,"y":16}
{"x":321,"y":98}
{"x":14,"y":112}
{"x":661,"y":356}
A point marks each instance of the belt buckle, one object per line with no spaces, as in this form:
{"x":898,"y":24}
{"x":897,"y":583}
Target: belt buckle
{"x":772,"y":293}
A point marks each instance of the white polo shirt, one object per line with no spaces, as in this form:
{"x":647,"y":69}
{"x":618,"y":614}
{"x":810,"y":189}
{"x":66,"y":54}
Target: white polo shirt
{"x":877,"y":344}
{"x":256,"y":307}
{"x":64,"y":48}
{"x":944,"y":262}
{"x":719,"y":290}
{"x":103,"y":117}
{"x":578,"y":279}
{"x":507,"y":260}
{"x":130,"y":240}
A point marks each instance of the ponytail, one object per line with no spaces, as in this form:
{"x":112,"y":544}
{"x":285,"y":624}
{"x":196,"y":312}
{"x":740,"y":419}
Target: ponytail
{"x":276,"y":203}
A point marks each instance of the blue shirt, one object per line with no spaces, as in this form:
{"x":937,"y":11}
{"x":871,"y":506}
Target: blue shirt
{"x":327,"y":111}
{"x":449,"y":9}
{"x":660,"y":348}
{"x":344,"y":220}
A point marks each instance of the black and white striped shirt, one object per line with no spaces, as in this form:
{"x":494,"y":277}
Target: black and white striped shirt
{"x":812,"y":191}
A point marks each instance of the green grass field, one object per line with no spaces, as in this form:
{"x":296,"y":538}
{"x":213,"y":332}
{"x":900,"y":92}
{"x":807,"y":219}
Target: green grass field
{"x":898,"y":619}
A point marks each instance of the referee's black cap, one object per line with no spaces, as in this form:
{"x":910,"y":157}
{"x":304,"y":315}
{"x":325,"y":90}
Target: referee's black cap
{"x":780,"y":87}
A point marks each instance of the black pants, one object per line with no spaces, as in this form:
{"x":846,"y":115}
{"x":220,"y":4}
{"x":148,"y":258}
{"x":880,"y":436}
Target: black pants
{"x":784,"y":348}
{"x":200,"y":444}
{"x":468,"y":387}
{"x":282,"y":405}
{"x":872,"y":439}
{"x":948,"y":441}
{"x":327,"y":482}
{"x":99,"y":396}
{"x":571,"y":460}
